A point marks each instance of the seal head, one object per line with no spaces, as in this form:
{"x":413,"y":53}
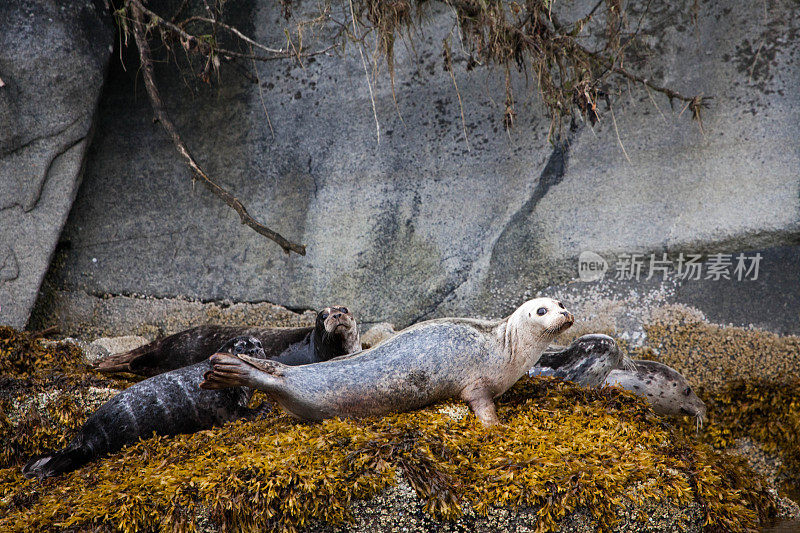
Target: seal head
{"x":335,"y":333}
{"x":665,"y":389}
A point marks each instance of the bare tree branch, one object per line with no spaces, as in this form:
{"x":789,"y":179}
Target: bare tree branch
{"x":207,"y":49}
{"x":236,"y":32}
{"x":138,"y":11}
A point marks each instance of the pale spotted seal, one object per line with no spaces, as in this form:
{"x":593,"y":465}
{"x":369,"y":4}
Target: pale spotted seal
{"x":664,"y":388}
{"x":334,"y":334}
{"x":474,"y":360}
{"x":586,"y":362}
{"x":167,"y":404}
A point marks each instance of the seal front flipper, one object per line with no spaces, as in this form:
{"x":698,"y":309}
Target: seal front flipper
{"x":240,"y":371}
{"x":482,"y":404}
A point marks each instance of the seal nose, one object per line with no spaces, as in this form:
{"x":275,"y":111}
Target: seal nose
{"x":568,"y":315}
{"x":337,"y":315}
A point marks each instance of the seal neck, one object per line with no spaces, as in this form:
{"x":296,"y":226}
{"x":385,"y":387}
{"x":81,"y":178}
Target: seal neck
{"x":327,"y":346}
{"x":522,"y":343}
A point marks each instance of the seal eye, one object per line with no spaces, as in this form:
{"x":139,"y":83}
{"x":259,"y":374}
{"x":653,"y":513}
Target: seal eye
{"x":541,"y":311}
{"x":344,"y":310}
{"x":324,"y":315}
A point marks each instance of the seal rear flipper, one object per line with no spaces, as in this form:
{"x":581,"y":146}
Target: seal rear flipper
{"x":56,"y":463}
{"x":265,"y":365}
{"x":140,"y":361}
{"x":215,"y":381}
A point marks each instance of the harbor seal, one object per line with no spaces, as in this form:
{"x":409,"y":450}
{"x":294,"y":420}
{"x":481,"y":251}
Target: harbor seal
{"x":335,"y":333}
{"x":474,"y":360}
{"x":167,"y":404}
{"x":586,"y":362}
{"x":663,"y":387}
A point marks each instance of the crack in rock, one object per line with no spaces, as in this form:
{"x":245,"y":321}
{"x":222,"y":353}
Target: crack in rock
{"x":552,"y":174}
{"x":43,"y":151}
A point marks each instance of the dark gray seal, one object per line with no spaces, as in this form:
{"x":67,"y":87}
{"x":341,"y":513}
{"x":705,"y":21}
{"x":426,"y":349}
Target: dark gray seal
{"x":334,"y":334}
{"x":587,"y":361}
{"x":663,"y":387}
{"x":474,"y":360}
{"x":167,"y":404}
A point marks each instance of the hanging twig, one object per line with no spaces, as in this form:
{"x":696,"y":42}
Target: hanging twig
{"x":206,"y":48}
{"x":366,"y":72}
{"x":236,"y":32}
{"x":138,"y":11}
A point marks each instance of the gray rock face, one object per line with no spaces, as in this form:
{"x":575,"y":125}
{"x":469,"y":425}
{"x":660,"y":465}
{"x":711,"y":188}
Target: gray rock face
{"x":53,"y":57}
{"x":423,"y":224}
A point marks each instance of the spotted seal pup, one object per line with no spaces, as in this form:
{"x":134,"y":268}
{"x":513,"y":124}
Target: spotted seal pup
{"x":167,"y":404}
{"x":664,"y":388}
{"x":474,"y":360}
{"x":334,"y":334}
{"x":586,"y":362}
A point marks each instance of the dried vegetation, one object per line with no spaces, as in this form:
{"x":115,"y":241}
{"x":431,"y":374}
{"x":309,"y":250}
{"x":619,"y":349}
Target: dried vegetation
{"x":572,"y":64}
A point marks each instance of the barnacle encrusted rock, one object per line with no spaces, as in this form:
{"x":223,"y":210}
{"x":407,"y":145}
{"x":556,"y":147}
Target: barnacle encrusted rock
{"x":713,"y":354}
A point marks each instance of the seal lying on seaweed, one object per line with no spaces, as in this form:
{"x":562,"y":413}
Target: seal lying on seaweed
{"x":474,"y":360}
{"x":334,"y":334}
{"x":667,"y":391}
{"x":166,"y":404}
{"x":172,"y":402}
